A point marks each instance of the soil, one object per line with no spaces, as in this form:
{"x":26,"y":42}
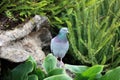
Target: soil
{"x":10,"y":23}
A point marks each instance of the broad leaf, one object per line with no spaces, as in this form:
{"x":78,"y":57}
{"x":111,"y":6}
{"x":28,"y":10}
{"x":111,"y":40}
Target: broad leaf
{"x":56,"y":71}
{"x":93,"y":72}
{"x":90,"y":74}
{"x":49,"y":63}
{"x":59,"y":77}
{"x":79,"y":76}
{"x":41,"y":74}
{"x":75,"y":68}
{"x":33,"y":61}
{"x":33,"y":77}
{"x":112,"y":75}
{"x":21,"y":71}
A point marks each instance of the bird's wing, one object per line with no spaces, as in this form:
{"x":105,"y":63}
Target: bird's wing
{"x":59,"y":49}
{"x":51,"y":45}
{"x":64,"y":49}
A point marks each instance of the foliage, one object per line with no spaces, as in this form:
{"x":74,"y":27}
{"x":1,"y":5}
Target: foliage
{"x":93,"y":73}
{"x":22,"y":8}
{"x":76,"y":68}
{"x":49,"y":59}
{"x":21,"y":71}
{"x":93,"y":33}
{"x":112,"y":75}
{"x":86,"y":73}
{"x":29,"y":71}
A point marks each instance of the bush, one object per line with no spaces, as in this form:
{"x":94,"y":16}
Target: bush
{"x":93,"y":25}
{"x":29,"y":71}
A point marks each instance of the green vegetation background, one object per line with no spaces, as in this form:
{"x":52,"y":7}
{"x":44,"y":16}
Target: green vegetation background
{"x":94,"y":25}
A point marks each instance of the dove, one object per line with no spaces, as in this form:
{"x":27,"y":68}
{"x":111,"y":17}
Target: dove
{"x":60,"y":45}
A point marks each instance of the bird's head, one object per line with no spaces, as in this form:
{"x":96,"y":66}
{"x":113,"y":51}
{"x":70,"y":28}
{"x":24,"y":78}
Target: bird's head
{"x":64,"y":30}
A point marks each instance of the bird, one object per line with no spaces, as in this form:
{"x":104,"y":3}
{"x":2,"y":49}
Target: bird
{"x":60,"y":45}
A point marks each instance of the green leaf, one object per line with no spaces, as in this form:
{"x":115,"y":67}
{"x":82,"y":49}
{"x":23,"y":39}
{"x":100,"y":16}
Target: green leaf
{"x":69,"y":24}
{"x":75,"y":68}
{"x":33,"y":77}
{"x":93,"y":71}
{"x":21,"y":71}
{"x":22,"y":13}
{"x":49,"y":63}
{"x":59,"y":77}
{"x":91,"y":2}
{"x":69,"y":11}
{"x":90,"y":74}
{"x":39,"y":73}
{"x":79,"y":76}
{"x":58,"y":19}
{"x":112,"y":74}
{"x":33,"y":61}
{"x":56,"y":71}
{"x":9,"y":14}
{"x":41,"y":4}
{"x":103,"y":60}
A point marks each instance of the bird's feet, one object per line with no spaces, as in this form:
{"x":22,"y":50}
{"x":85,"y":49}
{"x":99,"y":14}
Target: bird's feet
{"x":60,"y":64}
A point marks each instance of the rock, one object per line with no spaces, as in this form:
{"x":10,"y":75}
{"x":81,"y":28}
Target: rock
{"x":18,"y":44}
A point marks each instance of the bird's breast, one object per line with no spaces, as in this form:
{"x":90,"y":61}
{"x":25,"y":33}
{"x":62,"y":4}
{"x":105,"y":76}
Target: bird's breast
{"x":59,"y":47}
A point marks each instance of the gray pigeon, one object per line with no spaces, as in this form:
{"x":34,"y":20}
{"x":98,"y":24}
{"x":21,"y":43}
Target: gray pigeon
{"x":60,"y":45}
